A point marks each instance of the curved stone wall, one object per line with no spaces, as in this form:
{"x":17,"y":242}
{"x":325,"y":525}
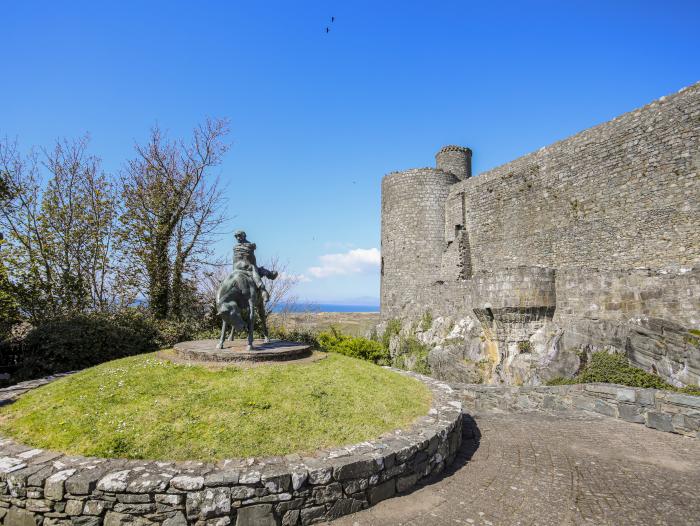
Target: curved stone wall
{"x":38,"y":485}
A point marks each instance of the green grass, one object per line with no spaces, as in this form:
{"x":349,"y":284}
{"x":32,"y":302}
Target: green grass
{"x":615,"y":369}
{"x":144,"y":407}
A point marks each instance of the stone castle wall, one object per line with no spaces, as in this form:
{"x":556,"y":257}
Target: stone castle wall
{"x":588,"y":244}
{"x":621,"y":195}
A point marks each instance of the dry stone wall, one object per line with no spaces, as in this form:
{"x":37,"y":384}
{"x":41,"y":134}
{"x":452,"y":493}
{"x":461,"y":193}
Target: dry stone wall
{"x":662,"y":410}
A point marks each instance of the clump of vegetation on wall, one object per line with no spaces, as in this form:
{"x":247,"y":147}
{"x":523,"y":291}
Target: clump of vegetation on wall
{"x":412,"y":355}
{"x":616,"y":369}
{"x":426,"y":321}
{"x":393,"y":328}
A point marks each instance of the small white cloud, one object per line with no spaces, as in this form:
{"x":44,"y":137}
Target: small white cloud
{"x":356,"y":261}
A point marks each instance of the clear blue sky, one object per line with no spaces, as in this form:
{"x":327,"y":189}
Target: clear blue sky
{"x":317,"y":119}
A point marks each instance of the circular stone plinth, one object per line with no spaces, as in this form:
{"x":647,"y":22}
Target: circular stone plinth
{"x":237,"y":351}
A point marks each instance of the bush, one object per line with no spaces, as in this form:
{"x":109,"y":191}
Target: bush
{"x":615,"y":369}
{"x":296,"y":335}
{"x":354,"y":347}
{"x":83,"y":341}
{"x":393,"y":328}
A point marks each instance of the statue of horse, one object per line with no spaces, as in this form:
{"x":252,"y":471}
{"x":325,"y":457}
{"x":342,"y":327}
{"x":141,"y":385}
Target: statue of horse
{"x":237,"y":293}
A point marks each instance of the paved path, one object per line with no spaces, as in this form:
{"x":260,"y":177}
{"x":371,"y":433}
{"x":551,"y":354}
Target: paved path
{"x":563,"y":468}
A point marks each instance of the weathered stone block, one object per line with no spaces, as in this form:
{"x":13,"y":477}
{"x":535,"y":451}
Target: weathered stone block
{"x":176,"y":520}
{"x":684,"y":400}
{"x":86,"y":521}
{"x":257,"y":515}
{"x":660,"y":421}
{"x":605,"y":408}
{"x":329,"y":493}
{"x":291,"y":518}
{"x":358,"y":469}
{"x":216,"y":502}
{"x":320,"y":476}
{"x":221,"y":478}
{"x":630,"y":413}
{"x":95,"y":507}
{"x":312,"y":515}
{"x":39,"y":505}
{"x":626,"y":395}
{"x":20,"y":517}
{"x":382,"y":491}
{"x":187,"y":482}
{"x":407,"y":482}
{"x":55,"y":485}
{"x":114,"y":482}
{"x":74,"y":507}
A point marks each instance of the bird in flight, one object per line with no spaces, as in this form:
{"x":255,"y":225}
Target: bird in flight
{"x":328,"y":30}
{"x":332,"y":19}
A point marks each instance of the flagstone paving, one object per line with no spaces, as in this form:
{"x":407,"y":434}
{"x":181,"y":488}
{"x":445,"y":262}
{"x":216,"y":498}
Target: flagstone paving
{"x":555,"y":468}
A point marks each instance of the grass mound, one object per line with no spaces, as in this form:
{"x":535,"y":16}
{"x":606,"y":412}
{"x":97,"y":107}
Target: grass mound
{"x":144,"y":407}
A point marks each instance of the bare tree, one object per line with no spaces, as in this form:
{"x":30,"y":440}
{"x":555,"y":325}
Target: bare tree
{"x":280,"y":298}
{"x":171,"y":209}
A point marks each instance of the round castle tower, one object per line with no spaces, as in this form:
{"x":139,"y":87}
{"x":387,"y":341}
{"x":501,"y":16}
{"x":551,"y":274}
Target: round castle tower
{"x":413,"y":227}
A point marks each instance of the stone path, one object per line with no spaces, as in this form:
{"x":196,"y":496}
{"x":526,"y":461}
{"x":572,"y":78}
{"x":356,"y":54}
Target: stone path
{"x":559,"y":468}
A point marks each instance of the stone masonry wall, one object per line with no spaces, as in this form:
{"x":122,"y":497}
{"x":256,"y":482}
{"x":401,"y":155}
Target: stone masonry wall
{"x":661,"y":410}
{"x":648,"y":315}
{"x":621,"y":195}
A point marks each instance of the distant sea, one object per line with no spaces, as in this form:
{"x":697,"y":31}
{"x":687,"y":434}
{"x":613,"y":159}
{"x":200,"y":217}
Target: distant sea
{"x":331,"y":307}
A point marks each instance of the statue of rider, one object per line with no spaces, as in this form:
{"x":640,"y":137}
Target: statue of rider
{"x":244,"y":260}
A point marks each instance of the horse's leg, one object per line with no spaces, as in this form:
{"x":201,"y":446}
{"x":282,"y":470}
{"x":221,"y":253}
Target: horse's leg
{"x":223,"y":334}
{"x":233,"y":330}
{"x":263,"y":320}
{"x":251,"y":319}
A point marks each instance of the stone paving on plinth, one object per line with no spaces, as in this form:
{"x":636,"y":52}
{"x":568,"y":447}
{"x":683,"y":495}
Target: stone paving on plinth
{"x":555,"y":468}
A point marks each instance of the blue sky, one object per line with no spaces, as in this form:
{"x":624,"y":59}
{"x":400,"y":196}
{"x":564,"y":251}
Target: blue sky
{"x":318,"y":118}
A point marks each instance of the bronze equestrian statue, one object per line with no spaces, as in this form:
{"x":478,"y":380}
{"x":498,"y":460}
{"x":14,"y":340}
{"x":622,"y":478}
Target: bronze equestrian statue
{"x":243,"y":289}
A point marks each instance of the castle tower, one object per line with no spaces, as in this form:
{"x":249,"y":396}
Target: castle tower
{"x":455,"y":160}
{"x":413,"y":227}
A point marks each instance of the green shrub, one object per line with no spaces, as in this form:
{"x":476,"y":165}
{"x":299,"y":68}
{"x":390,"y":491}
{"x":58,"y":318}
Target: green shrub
{"x":393,"y":328}
{"x":353,"y":346}
{"x":82,"y":341}
{"x":616,"y":369}
{"x":296,"y":335}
